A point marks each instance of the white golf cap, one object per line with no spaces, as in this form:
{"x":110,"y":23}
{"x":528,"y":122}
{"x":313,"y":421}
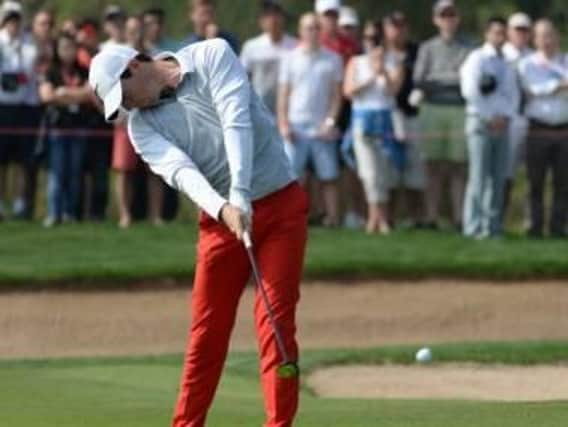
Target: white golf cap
{"x":520,"y":20}
{"x":323,"y":6}
{"x":348,"y":17}
{"x":104,"y":76}
{"x":442,"y":5}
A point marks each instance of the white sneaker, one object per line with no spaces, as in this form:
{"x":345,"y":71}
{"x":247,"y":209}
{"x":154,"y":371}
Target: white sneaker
{"x":353,"y":221}
{"x":50,"y":222}
{"x":18,"y":207}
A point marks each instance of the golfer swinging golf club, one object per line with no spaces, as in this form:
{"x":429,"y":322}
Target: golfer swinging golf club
{"x":197,"y":123}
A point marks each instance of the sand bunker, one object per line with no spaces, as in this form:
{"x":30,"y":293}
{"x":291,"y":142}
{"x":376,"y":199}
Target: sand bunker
{"x":448,"y":381}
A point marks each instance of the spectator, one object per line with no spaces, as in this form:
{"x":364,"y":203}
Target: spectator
{"x":544,"y":77}
{"x":261,"y":55}
{"x":114,"y":19}
{"x":412,"y":179}
{"x":331,"y":36}
{"x":489,"y":86}
{"x":372,"y":82}
{"x":309,"y":103}
{"x":437,"y":79}
{"x":69,"y":26}
{"x":65,"y":91}
{"x":517,"y":48}
{"x":155,"y":40}
{"x":99,"y":133}
{"x":124,"y":159}
{"x":42,"y":33}
{"x":88,"y":39}
{"x":202,"y":15}
{"x":349,"y":24}
{"x":18,"y":108}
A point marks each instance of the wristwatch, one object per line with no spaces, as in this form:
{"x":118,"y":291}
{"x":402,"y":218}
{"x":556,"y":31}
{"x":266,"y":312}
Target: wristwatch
{"x":330,"y":122}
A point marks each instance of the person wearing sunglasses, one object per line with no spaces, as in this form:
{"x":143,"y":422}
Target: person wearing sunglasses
{"x":196,"y":121}
{"x":436,"y":76}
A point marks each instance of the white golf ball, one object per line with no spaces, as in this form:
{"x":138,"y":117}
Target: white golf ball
{"x":424,"y":355}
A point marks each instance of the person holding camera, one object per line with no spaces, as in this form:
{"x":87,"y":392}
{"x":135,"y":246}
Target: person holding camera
{"x":489,"y":86}
{"x":19,"y":111}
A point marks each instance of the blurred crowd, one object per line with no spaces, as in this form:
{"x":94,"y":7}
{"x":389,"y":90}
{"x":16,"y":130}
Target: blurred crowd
{"x":382,"y":130}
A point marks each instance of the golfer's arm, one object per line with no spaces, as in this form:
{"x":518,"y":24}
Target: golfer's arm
{"x":231,"y":94}
{"x":174,"y":166}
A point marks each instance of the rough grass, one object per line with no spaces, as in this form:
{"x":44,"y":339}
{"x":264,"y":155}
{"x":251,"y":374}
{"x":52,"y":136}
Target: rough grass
{"x":33,"y":257}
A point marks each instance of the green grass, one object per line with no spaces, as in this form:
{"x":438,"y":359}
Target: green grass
{"x":141,"y":391}
{"x":33,"y":257}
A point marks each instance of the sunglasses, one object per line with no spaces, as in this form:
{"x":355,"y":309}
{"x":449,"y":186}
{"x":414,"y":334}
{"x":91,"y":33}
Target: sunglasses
{"x":522,"y":29}
{"x":313,"y":28}
{"x":449,"y":14}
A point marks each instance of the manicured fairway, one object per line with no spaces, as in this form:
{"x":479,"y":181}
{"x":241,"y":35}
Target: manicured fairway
{"x":139,"y":392}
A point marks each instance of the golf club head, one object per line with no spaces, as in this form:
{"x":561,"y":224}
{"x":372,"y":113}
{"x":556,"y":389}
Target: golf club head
{"x":288,"y":371}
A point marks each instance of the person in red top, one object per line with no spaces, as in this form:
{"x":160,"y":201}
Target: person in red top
{"x":331,"y":35}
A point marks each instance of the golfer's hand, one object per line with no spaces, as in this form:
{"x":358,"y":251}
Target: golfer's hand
{"x":235,"y":219}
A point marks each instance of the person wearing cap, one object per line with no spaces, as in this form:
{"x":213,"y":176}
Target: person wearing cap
{"x":330,"y":35}
{"x":437,"y":79}
{"x":202,"y":14}
{"x":544,"y":78}
{"x":333,"y":38}
{"x":349,"y":24}
{"x":490,"y":87}
{"x":261,"y":56}
{"x":198,"y":124}
{"x":308,"y":106}
{"x":517,"y":47}
{"x":407,"y":185}
{"x":19,"y":110}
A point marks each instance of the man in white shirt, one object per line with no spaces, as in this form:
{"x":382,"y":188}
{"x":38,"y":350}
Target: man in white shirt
{"x":19,"y":110}
{"x":489,"y":86}
{"x":517,"y":47}
{"x":308,"y":107}
{"x":544,"y":77}
{"x":198,"y":124}
{"x":261,"y":55}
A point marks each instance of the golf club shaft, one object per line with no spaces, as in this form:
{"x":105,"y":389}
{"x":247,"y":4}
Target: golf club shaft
{"x":271,"y":317}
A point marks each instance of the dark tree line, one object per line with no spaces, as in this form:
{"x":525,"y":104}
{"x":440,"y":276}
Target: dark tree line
{"x":240,"y":15}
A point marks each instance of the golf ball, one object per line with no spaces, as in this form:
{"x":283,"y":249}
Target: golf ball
{"x":424,"y":355}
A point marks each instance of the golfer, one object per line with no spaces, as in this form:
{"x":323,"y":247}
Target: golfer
{"x":196,"y":122}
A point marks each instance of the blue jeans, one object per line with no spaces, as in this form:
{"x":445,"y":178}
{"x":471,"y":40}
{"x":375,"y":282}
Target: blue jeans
{"x":64,"y":178}
{"x":488,"y":160}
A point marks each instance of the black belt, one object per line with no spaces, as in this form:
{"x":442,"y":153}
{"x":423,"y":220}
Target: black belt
{"x":537,"y":124}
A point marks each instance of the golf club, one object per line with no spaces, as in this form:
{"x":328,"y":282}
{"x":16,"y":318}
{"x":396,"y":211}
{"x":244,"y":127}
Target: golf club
{"x":288,"y":368}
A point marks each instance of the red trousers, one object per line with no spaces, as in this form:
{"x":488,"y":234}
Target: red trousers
{"x":223,"y":269}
